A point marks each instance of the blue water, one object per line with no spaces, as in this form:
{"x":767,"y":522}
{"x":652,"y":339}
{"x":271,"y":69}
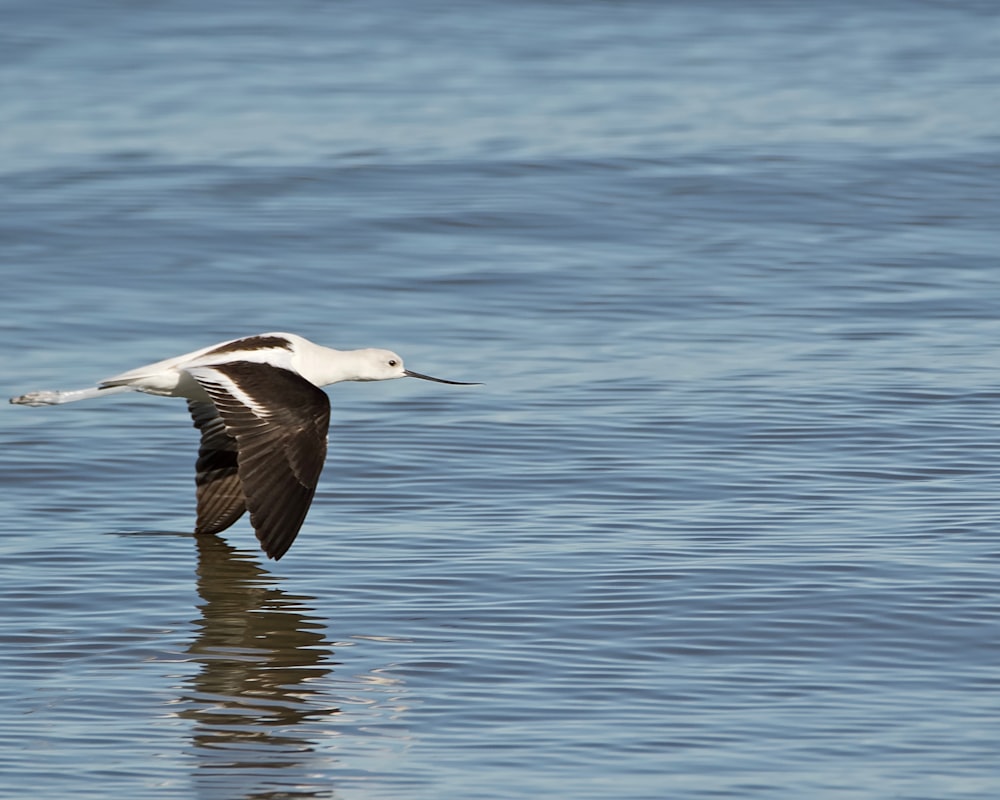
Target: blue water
{"x":724,"y":520}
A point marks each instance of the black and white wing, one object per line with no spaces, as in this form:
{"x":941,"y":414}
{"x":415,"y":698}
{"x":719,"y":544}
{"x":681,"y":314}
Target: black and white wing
{"x":278,"y":422}
{"x":219,"y":490}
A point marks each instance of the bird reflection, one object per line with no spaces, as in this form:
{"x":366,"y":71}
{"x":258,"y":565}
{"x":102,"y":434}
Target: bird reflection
{"x":261,"y":655}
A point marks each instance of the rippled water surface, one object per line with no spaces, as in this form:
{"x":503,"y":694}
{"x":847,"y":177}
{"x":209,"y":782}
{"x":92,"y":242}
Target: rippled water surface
{"x":723,"y":520}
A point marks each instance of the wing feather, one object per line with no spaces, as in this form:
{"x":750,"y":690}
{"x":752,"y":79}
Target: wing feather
{"x":279,"y":422}
{"x":219,"y":490}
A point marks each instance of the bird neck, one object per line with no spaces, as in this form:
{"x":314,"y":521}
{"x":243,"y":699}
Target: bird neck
{"x":324,"y":365}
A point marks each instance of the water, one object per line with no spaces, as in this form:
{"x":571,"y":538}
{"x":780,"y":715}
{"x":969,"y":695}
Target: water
{"x":721,"y":523}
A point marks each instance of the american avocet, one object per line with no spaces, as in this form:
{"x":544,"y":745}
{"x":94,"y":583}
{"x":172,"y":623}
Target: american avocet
{"x":263,"y":421}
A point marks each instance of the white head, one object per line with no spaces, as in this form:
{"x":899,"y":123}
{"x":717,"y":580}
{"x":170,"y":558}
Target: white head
{"x":385,"y":365}
{"x":377,"y":365}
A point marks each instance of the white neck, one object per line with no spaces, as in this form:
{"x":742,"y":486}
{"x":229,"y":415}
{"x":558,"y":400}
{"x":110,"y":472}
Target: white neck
{"x":324,"y":365}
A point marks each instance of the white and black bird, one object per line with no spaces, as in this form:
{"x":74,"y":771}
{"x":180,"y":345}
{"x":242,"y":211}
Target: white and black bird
{"x":263,"y":420}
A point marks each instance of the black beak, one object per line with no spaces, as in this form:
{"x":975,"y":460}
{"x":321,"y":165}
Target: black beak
{"x":411,"y":374}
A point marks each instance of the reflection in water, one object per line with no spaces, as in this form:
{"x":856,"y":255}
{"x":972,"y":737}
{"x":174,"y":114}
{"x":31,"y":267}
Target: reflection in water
{"x":261,"y":656}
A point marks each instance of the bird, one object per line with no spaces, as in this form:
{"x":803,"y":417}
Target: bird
{"x":263,"y":418}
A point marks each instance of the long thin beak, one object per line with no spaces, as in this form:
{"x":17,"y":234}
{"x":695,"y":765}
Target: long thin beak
{"x":410,"y":373}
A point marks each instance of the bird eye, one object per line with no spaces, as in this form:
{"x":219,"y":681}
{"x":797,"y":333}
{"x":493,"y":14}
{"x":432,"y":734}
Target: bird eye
{"x":393,"y":362}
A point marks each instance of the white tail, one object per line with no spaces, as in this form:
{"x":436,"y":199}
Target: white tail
{"x":52,"y":398}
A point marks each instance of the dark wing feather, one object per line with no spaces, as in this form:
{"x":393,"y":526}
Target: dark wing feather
{"x":279,"y":421}
{"x":219,"y":491}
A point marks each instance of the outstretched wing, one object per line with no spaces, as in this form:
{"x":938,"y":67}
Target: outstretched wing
{"x":219,"y":491}
{"x":279,"y":422}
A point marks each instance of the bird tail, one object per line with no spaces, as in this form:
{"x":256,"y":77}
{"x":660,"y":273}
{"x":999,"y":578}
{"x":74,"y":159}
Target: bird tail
{"x":53,"y":398}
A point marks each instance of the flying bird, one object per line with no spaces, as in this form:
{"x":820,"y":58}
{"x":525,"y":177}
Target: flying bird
{"x":263,"y":420}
